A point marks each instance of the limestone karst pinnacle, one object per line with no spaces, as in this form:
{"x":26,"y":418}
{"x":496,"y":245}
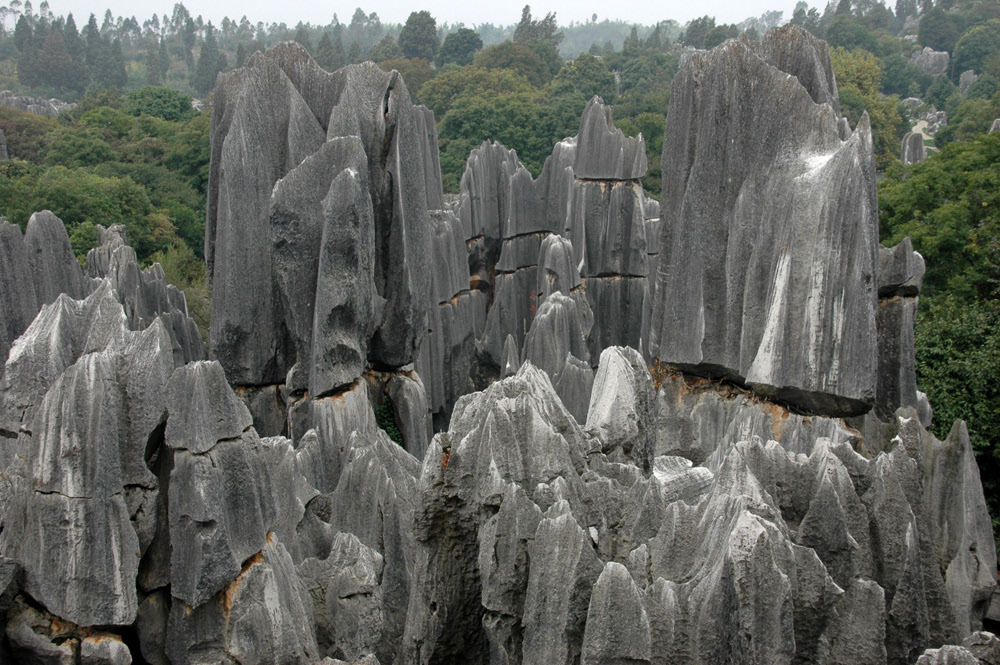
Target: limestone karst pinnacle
{"x":628,"y":431}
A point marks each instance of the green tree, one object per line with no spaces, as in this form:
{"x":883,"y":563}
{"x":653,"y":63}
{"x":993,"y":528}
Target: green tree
{"x":77,"y":76}
{"x":588,"y":75}
{"x":441,"y":92}
{"x":418,"y":38}
{"x":302,"y":36}
{"x":859,"y":78}
{"x":939,"y":91}
{"x":208,"y":64}
{"x":938,"y":30}
{"x":52,"y":64}
{"x":416,"y":72}
{"x":326,"y":55}
{"x":528,"y":30}
{"x":697,"y":30}
{"x":79,"y":147}
{"x":387,"y":49}
{"x":159,"y":102}
{"x":154,"y":75}
{"x":519,"y":57}
{"x":460,"y":47}
{"x":974,"y":116}
{"x":976,"y":46}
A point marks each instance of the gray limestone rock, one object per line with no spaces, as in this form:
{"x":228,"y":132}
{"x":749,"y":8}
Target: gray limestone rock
{"x":347,"y":306}
{"x":618,"y":628}
{"x":558,"y":330}
{"x":427,"y":127}
{"x":949,"y":654}
{"x":995,"y":127}
{"x":900,"y":270}
{"x":353,"y":601}
{"x":483,"y":206}
{"x":621,"y":405}
{"x":557,"y":268}
{"x":563,"y":571}
{"x":966,"y":81}
{"x":19,"y":305}
{"x":54,"y":269}
{"x":3,"y":147}
{"x":375,"y":500}
{"x":574,"y":383}
{"x":145,"y":294}
{"x":984,"y":646}
{"x":305,"y":219}
{"x":511,"y":358}
{"x":605,"y":224}
{"x":262,"y":128}
{"x":897,"y":375}
{"x":913,"y":149}
{"x":104,"y":650}
{"x":787,"y":306}
{"x":933,"y":63}
{"x":619,"y":305}
{"x":267,"y":407}
{"x":333,"y":420}
{"x":203,"y":409}
{"x":804,"y":57}
{"x":409,"y":404}
{"x":603,"y":152}
{"x":38,"y":638}
{"x":267,"y":620}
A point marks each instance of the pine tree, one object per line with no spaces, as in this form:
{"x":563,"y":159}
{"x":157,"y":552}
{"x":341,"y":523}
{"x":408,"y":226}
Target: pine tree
{"x":53,"y":62}
{"x":302,"y":36}
{"x":326,"y":54}
{"x":154,"y":76}
{"x":79,"y":75}
{"x":241,"y":54}
{"x":92,"y":35}
{"x":208,"y":64}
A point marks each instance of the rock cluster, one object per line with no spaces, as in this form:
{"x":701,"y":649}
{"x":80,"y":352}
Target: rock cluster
{"x":38,"y":106}
{"x":658,"y":466}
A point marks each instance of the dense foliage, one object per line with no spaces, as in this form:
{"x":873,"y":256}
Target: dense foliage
{"x":949,"y":205}
{"x":140,"y":160}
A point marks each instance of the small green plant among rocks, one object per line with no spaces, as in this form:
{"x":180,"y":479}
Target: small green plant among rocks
{"x":386,"y":418}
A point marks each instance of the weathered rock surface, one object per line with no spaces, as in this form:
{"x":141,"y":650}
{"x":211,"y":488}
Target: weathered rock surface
{"x":36,"y":105}
{"x":642,"y":513}
{"x":3,"y":147}
{"x":913,"y":149}
{"x":767,"y":265}
{"x":603,"y":151}
{"x":302,"y":137}
{"x":934,"y":63}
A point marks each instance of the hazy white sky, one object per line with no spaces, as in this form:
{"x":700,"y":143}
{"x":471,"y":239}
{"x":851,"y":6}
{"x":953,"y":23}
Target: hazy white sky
{"x":472,"y":13}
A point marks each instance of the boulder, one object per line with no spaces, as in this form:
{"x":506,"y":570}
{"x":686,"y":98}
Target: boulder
{"x":913,"y":149}
{"x":933,"y":63}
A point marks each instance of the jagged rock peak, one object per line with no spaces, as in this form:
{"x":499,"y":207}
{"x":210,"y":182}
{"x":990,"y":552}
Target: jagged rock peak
{"x":282,"y":119}
{"x":782,"y":300}
{"x":794,"y":50}
{"x":603,"y":152}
